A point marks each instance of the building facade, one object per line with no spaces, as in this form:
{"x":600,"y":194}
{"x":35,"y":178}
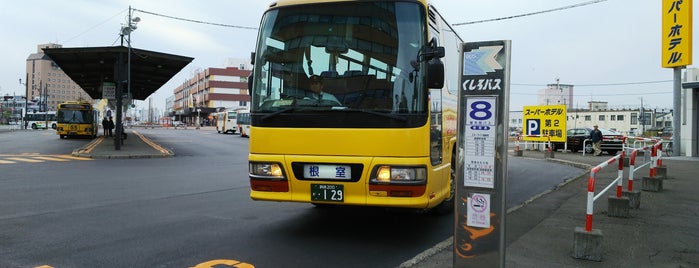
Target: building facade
{"x":631,"y":122}
{"x":47,"y":85}
{"x":209,"y":91}
{"x":12,"y":109}
{"x":556,"y":94}
{"x":689,"y":125}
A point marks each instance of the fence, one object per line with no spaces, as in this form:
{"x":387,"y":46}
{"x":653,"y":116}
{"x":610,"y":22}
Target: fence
{"x":591,"y":197}
{"x":587,"y":242}
{"x":534,"y":144}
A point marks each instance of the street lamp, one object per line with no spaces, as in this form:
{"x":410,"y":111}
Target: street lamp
{"x":198,"y":111}
{"x":26,"y":100}
{"x":125,"y":31}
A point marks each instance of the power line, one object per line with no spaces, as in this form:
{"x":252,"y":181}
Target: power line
{"x":533,"y":13}
{"x":198,"y":21}
{"x":93,"y":27}
{"x":601,"y":84}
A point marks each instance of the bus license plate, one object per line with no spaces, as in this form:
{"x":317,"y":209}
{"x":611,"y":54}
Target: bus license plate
{"x":327,"y":192}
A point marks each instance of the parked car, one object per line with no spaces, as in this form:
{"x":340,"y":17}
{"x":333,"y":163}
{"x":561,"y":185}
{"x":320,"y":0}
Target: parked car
{"x":612,"y":141}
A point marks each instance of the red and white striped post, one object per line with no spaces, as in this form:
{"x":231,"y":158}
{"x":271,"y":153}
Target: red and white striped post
{"x":653,"y":156}
{"x":632,"y":167}
{"x":660,"y":154}
{"x":620,"y":182}
{"x":590,"y":198}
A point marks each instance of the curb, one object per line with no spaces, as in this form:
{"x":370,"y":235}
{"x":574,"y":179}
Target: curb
{"x":450,"y":241}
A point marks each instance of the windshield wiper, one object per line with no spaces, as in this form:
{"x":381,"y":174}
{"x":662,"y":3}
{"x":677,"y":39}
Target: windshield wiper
{"x":278,"y":112}
{"x":389,"y":115}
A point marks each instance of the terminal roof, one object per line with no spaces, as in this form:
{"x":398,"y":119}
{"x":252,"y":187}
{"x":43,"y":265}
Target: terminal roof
{"x":89,"y":67}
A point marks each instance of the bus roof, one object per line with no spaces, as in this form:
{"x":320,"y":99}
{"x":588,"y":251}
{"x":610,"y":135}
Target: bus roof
{"x":280,"y":3}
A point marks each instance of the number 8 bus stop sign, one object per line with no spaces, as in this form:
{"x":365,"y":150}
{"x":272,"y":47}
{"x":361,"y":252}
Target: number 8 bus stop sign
{"x":481,"y":171}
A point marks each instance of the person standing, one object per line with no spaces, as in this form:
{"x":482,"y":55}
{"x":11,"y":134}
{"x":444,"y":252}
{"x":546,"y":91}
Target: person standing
{"x":105,"y":126}
{"x":111,"y":127}
{"x":596,"y":138}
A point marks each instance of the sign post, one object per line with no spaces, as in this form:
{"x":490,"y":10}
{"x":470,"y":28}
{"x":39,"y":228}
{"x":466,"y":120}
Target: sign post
{"x":479,"y":231}
{"x":676,"y":53}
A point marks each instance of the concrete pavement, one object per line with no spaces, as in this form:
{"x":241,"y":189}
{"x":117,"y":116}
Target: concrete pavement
{"x":662,"y":232}
{"x":135,"y":145}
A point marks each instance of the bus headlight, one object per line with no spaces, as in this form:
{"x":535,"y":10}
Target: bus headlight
{"x":263,"y":170}
{"x":399,"y":174}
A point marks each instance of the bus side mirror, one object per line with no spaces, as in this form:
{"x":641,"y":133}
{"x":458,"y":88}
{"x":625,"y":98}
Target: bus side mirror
{"x":435,"y":73}
{"x":250,"y":84}
{"x":252,"y":58}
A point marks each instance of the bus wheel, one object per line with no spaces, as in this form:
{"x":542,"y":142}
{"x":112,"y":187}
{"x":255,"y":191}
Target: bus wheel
{"x":447,"y":206}
{"x":62,"y":136}
{"x":33,"y":126}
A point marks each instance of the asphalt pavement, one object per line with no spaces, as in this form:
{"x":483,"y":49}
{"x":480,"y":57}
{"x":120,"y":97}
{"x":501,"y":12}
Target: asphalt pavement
{"x":661,"y":232}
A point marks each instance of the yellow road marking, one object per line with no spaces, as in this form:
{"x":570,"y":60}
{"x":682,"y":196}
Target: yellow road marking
{"x":7,"y":162}
{"x":51,"y":158}
{"x":151,"y":143}
{"x":67,"y":156}
{"x":229,"y":263}
{"x":44,"y":266}
{"x":29,"y":160}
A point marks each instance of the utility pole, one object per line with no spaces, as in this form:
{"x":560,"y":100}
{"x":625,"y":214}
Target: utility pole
{"x":642,"y":119}
{"x":46,"y":104}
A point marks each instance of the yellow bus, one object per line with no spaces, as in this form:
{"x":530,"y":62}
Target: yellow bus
{"x":77,"y":118}
{"x":380,"y":127}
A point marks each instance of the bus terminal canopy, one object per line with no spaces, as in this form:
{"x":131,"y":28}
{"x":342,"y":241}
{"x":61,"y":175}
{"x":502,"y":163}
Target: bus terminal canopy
{"x":92,"y":66}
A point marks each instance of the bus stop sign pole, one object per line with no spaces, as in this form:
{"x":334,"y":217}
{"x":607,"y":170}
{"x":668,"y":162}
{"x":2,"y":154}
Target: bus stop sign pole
{"x":481,"y":171}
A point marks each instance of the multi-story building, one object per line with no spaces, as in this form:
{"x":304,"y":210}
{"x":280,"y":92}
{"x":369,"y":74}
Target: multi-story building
{"x":556,"y":94}
{"x":209,"y":91}
{"x":47,"y":84}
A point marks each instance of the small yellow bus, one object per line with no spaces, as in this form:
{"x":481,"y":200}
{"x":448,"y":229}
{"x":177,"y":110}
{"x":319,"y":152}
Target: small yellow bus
{"x":77,"y":118}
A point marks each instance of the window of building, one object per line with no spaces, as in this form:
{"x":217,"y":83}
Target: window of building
{"x":634,"y":118}
{"x":612,"y":117}
{"x":588,"y":118}
{"x":620,"y":117}
{"x":601,"y":117}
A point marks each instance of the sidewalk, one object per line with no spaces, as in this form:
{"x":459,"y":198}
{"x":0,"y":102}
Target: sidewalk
{"x":135,"y":146}
{"x":662,"y":232}
{"x":7,"y":128}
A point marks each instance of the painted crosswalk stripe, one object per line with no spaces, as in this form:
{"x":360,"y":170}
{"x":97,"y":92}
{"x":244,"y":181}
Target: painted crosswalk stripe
{"x":25,"y":160}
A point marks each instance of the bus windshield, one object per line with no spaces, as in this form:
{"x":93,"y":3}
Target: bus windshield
{"x":353,"y":62}
{"x":74,"y":116}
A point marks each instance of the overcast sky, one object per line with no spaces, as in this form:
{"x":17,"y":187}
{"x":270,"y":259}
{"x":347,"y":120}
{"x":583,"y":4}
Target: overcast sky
{"x":611,"y":42}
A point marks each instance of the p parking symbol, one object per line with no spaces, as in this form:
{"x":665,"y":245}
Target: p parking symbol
{"x":533,"y":127}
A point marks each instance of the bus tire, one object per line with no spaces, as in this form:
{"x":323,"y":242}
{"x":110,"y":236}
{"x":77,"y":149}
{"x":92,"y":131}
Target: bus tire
{"x":447,"y":206}
{"x":34,"y":126}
